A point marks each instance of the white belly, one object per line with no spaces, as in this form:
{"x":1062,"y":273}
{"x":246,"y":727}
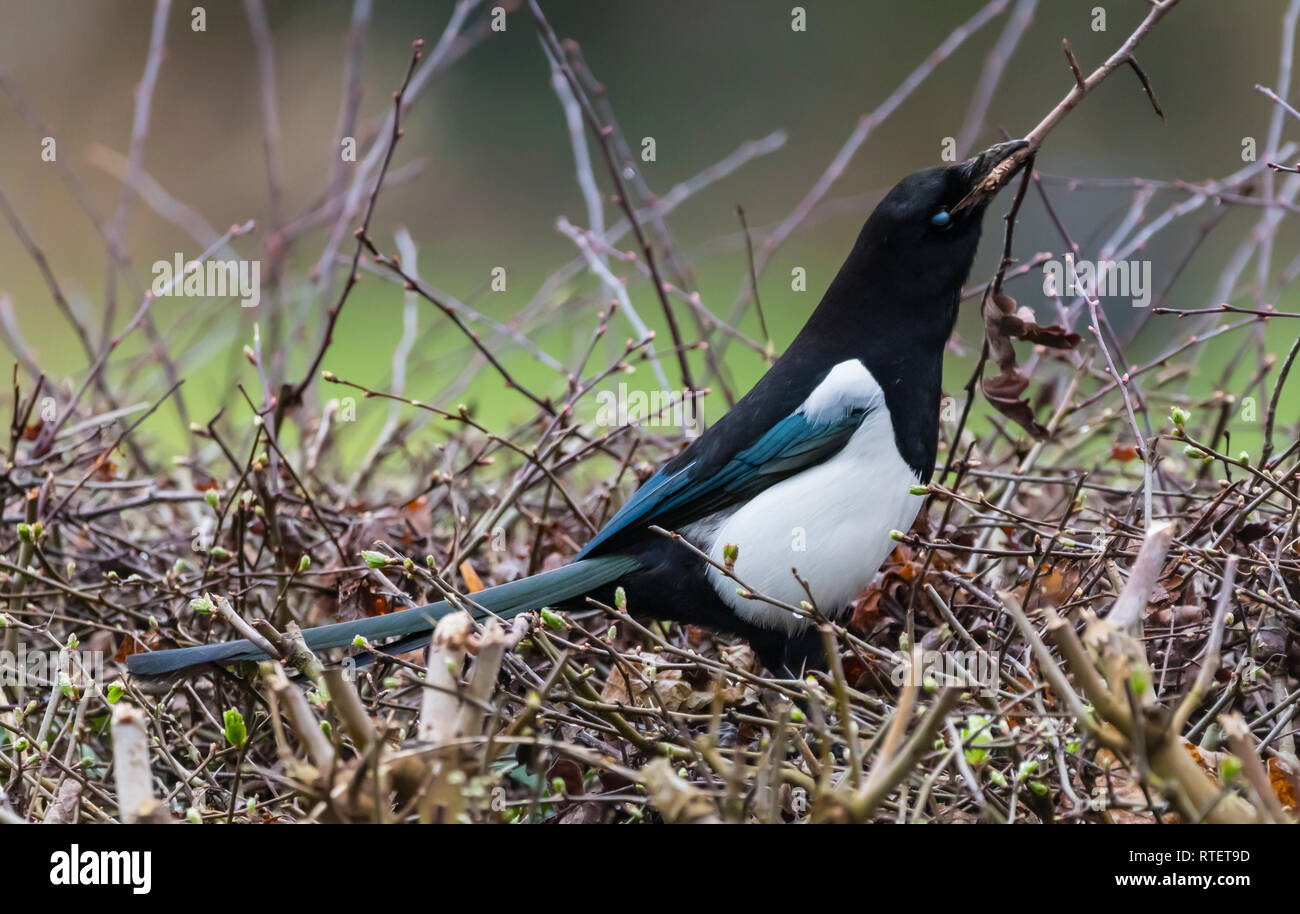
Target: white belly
{"x":831,"y":522}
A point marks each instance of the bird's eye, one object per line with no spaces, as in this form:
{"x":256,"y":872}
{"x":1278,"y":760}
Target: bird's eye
{"x":941,"y":219}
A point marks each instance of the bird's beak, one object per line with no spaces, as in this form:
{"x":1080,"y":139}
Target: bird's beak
{"x":989,"y":171}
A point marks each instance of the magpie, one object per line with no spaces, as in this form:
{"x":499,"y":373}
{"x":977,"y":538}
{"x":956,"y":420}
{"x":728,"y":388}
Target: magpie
{"x":809,"y":471}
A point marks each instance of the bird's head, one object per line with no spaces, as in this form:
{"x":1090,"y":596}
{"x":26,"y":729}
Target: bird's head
{"x":927,"y":228}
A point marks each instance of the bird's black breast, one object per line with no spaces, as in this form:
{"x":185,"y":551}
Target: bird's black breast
{"x":913,"y":388}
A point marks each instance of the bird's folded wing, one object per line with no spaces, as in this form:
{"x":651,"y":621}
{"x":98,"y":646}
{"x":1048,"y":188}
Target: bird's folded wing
{"x":673,"y":499}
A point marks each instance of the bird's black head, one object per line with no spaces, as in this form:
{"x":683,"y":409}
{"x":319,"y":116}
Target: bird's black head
{"x":928,"y":226}
{"x":906,"y":269}
{"x":893,"y":303}
{"x":916,"y":249}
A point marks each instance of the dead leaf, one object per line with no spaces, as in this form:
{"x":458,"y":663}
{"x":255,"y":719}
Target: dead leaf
{"x":1176,"y":616}
{"x":1003,"y":393}
{"x":1207,"y":759}
{"x":133,"y":644}
{"x":728,"y":690}
{"x":1052,"y":336}
{"x":473,"y":583}
{"x":1003,"y":322}
{"x":1125,"y":789}
{"x":1286,"y":782}
{"x":866,"y":609}
{"x":1123,"y":453}
{"x":204,"y":481}
{"x":634,"y":689}
{"x":358,"y":600}
{"x":105,"y":470}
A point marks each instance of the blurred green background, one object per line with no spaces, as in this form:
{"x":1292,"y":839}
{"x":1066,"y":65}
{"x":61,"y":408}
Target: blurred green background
{"x":698,"y":77}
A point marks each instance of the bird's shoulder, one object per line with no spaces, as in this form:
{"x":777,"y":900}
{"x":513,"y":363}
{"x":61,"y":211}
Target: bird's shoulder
{"x":818,"y":387}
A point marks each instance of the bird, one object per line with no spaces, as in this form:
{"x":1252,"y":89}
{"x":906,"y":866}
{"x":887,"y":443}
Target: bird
{"x":794,"y":492}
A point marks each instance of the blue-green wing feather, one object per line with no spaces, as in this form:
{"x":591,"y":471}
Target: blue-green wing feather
{"x":679,"y":495}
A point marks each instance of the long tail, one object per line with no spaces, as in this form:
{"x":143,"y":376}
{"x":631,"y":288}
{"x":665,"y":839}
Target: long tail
{"x":504,"y":600}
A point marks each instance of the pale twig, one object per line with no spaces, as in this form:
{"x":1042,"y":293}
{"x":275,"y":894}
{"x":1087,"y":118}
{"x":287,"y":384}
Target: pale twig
{"x":1243,"y":747}
{"x":135,"y":155}
{"x":995,"y":64}
{"x":602,"y":132}
{"x":408,"y":253}
{"x":134,"y":778}
{"x":1132,"y":602}
{"x":866,"y":125}
{"x":1210,"y":658}
{"x":600,"y":268}
{"x":440,"y":703}
{"x":381,"y":149}
{"x":1002,"y":174}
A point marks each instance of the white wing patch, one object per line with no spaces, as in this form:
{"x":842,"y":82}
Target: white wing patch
{"x":848,"y":385}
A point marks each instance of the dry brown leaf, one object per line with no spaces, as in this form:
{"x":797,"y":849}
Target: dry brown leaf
{"x":729,"y":691}
{"x":866,"y":609}
{"x":1125,"y":789}
{"x":1003,"y":322}
{"x":358,"y":599}
{"x":1003,"y":393}
{"x":669,"y":688}
{"x":133,"y":644}
{"x":1286,"y":782}
{"x":204,"y":481}
{"x":1207,"y":759}
{"x":473,"y":583}
{"x":1177,"y":615}
{"x":1123,"y":453}
{"x":1052,"y":336}
{"x":105,"y":470}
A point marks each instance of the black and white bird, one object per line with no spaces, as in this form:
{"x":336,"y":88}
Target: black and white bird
{"x":810,"y":470}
